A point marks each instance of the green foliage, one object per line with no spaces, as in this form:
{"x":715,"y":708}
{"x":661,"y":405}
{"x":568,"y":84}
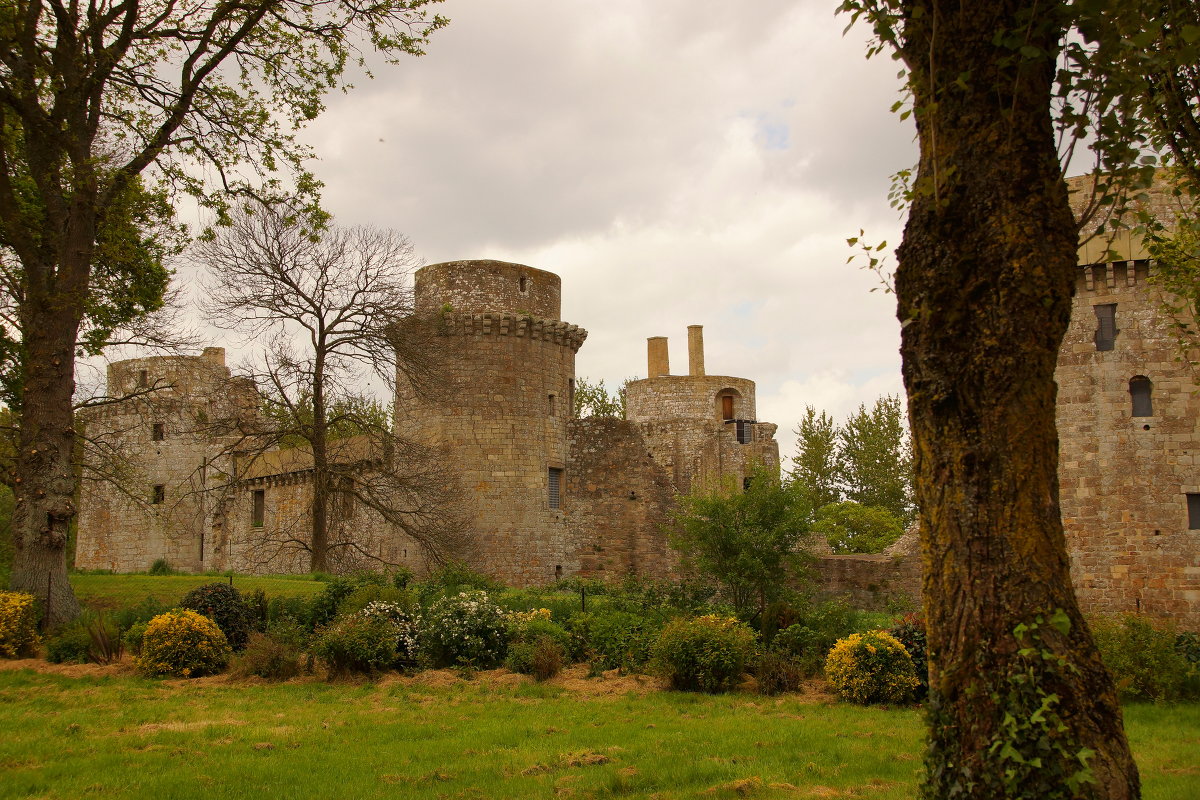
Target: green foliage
{"x":223,"y":604}
{"x":18,"y":625}
{"x":325,"y":605}
{"x":267,"y":657}
{"x":593,"y":400}
{"x":817,"y":629}
{"x":745,"y":540}
{"x":909,"y":631}
{"x":612,"y":639}
{"x":134,"y":635}
{"x":346,"y":416}
{"x":161,"y":567}
{"x":361,"y":597}
{"x":358,"y":644}
{"x":850,"y":527}
{"x":537,"y":646}
{"x":1144,"y":660}
{"x":707,"y":654}
{"x":876,"y":456}
{"x":816,"y":467}
{"x":870,"y":668}
{"x":453,"y":578}
{"x":182,"y":644}
{"x":70,"y":644}
{"x":466,"y":630}
{"x":777,"y":672}
{"x":295,"y":611}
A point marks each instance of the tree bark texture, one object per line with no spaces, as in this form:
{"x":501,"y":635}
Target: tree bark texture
{"x":984,"y":282}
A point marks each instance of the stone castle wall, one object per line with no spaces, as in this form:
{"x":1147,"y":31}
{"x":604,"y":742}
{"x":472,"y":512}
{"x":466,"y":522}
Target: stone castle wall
{"x":1125,"y":479}
{"x":142,"y":497}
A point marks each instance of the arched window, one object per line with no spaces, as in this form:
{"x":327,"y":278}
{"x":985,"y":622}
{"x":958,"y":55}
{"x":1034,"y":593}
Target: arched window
{"x":1139,"y":392}
{"x":727,"y":404}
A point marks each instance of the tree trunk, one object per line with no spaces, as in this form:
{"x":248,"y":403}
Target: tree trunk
{"x":986,"y":272}
{"x":45,"y":485}
{"x":320,"y":450}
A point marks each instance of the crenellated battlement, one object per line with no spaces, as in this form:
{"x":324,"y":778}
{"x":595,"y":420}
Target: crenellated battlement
{"x":497,"y":323}
{"x":1113,"y":276}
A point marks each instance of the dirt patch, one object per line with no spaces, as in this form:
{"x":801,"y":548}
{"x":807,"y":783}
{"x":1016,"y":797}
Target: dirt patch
{"x":612,"y":683}
{"x":69,"y":670}
{"x":156,"y":727}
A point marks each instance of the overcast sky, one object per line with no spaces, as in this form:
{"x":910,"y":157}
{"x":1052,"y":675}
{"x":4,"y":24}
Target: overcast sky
{"x":676,"y":162}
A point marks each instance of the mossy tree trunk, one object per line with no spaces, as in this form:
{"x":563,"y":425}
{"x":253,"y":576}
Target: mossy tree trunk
{"x":984,"y":284}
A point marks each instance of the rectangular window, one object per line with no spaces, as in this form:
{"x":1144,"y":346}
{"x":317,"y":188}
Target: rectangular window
{"x":550,"y":399}
{"x":555,"y":487}
{"x":159,"y":432}
{"x":571,"y":397}
{"x":1193,"y":501}
{"x":260,"y":508}
{"x":143,"y":378}
{"x":1106,"y":326}
{"x":159,"y":496}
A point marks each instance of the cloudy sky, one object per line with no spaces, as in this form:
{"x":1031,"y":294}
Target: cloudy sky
{"x":676,"y":162}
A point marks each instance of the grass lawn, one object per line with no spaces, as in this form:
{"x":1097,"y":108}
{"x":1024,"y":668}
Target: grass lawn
{"x":103,"y":592}
{"x":87,"y":731}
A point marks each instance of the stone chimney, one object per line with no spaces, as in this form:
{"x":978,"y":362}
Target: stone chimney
{"x":656,"y":357}
{"x":695,"y":349}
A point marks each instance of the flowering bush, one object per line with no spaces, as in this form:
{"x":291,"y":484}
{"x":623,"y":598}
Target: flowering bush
{"x":18,"y":625}
{"x":871,"y":667}
{"x":408,"y":628}
{"x":184,"y":644}
{"x":707,"y":653}
{"x":467,"y":629}
{"x":224,"y":605}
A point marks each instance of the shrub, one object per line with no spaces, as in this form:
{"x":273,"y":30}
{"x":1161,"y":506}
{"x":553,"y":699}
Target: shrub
{"x":1144,"y":661}
{"x":777,"y":672}
{"x":909,"y":631}
{"x":267,"y":657}
{"x":706,"y":653}
{"x":18,"y":625}
{"x":361,"y":597}
{"x":613,"y":640}
{"x":358,"y":644}
{"x":146,"y":610}
{"x":408,"y":625}
{"x":871,"y":667}
{"x":324,"y":607}
{"x":184,"y":644}
{"x":452,"y":579}
{"x":133,"y":637}
{"x":467,"y":629}
{"x":162,"y":567}
{"x":291,"y":611}
{"x":224,"y":605}
{"x":818,"y":628}
{"x":256,"y":607}
{"x":536,"y":645}
{"x":70,"y":644}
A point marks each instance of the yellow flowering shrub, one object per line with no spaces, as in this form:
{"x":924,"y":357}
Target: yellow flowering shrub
{"x":871,"y":667}
{"x":183,"y":644}
{"x":18,"y":625}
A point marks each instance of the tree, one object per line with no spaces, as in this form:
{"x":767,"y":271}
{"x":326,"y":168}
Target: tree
{"x":345,"y":293}
{"x":816,"y":469}
{"x":850,"y":527}
{"x":876,"y":458}
{"x":1020,"y":702}
{"x":198,"y":96}
{"x":744,"y":540}
{"x":594,"y":400}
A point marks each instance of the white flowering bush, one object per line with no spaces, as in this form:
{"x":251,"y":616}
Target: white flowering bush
{"x":407,"y":624}
{"x":467,"y":629}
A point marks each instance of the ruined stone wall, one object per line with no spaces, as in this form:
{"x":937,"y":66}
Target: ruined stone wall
{"x":619,"y":501}
{"x":1124,"y":480}
{"x":192,"y":403}
{"x":502,"y":424}
{"x":872,"y":582}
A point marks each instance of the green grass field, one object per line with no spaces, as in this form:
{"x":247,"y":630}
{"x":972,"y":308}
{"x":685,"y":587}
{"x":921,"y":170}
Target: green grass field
{"x":103,"y":592}
{"x":497,"y":736}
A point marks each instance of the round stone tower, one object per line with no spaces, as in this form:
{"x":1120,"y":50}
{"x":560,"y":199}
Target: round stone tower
{"x":507,"y":385}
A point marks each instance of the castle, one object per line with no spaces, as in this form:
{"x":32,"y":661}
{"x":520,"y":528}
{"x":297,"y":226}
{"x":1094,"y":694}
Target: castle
{"x":544,"y":494}
{"x":547,"y":495}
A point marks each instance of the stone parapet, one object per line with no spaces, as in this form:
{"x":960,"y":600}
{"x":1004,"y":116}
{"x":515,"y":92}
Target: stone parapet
{"x":499,"y":323}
